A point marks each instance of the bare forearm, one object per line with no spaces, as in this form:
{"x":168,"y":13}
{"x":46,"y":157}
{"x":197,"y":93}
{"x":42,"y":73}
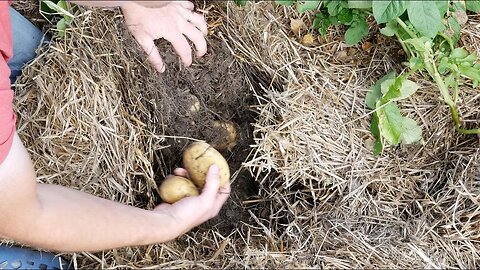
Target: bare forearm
{"x":119,"y":3}
{"x":58,"y":218}
{"x":70,"y":220}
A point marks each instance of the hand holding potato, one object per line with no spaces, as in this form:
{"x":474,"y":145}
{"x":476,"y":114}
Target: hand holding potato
{"x":193,"y":211}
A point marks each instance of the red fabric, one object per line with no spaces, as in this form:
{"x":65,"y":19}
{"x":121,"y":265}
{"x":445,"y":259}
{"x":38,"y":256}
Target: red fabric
{"x":7,"y":117}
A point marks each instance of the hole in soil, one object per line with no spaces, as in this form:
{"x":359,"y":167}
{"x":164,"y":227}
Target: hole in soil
{"x":185,"y":103}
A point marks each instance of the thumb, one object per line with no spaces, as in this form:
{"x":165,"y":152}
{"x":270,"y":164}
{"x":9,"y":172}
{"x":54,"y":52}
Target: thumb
{"x":212,"y":183}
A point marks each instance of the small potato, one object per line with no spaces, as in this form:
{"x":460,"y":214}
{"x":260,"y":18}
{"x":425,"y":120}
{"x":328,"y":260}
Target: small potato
{"x":176,"y":188}
{"x":197,"y":159}
{"x":192,"y":105}
{"x":228,"y":129}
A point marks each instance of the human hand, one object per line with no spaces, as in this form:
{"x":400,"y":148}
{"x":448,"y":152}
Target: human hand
{"x":174,"y":22}
{"x":193,"y":211}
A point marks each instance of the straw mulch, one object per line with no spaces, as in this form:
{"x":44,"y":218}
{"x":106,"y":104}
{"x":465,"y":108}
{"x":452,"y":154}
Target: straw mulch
{"x":324,"y":200}
{"x":333,"y":201}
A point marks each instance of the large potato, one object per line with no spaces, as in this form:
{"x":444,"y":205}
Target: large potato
{"x":176,"y":188}
{"x":197,"y":159}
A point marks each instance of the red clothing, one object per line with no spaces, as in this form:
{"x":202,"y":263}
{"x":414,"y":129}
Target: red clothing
{"x":7,"y":117}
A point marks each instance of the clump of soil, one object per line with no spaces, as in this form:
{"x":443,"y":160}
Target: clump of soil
{"x":217,"y":82}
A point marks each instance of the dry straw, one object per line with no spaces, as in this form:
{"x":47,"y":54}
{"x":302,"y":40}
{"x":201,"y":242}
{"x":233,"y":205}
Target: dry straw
{"x":416,"y":206}
{"x":324,"y":200}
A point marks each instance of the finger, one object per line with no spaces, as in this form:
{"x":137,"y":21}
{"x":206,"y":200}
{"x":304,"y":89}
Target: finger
{"x":181,"y":172}
{"x":186,"y":4}
{"x":181,"y":46}
{"x":198,"y":39}
{"x":152,"y":52}
{"x":162,"y":207}
{"x":222,"y":196}
{"x":197,"y":19}
{"x":212,"y":183}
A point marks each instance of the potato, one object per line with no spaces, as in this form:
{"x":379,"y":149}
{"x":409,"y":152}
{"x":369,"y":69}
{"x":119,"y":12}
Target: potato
{"x":192,"y":105}
{"x":176,"y":188}
{"x":228,"y":129}
{"x":197,"y":159}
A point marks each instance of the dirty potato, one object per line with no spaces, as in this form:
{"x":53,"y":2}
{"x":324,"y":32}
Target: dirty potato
{"x":197,"y":159}
{"x":176,"y":188}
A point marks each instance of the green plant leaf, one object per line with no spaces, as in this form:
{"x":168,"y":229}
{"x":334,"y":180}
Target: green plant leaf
{"x":406,"y":89}
{"x":281,"y":2}
{"x":395,"y":128}
{"x":305,"y":5}
{"x":356,"y":32}
{"x":412,"y":133}
{"x":333,"y":7}
{"x":61,"y":26}
{"x":442,"y":6}
{"x":321,"y":23}
{"x":473,"y":5}
{"x":360,"y":4}
{"x":416,"y":63}
{"x":387,"y":10}
{"x":375,"y":92}
{"x":390,"y":123}
{"x":456,"y":29}
{"x":62,"y":4}
{"x":418,"y":43}
{"x":58,"y":9}
{"x":374,"y":128}
{"x":471,"y":72}
{"x":425,"y":17}
{"x":243,"y":2}
{"x":390,"y":29}
{"x":458,"y":53}
{"x":345,"y":16}
{"x":378,"y":146}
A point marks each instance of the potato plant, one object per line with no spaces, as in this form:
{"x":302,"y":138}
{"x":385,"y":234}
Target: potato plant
{"x":428,"y":31}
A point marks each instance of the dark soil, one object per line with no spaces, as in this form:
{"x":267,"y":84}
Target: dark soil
{"x":219,"y":84}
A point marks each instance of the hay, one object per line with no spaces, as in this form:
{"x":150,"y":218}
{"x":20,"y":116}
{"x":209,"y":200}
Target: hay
{"x":324,"y":200}
{"x":87,"y":126}
{"x":333,"y":202}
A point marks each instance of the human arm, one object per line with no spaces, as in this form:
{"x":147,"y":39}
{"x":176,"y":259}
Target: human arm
{"x":174,"y":21}
{"x":58,"y":218}
{"x":120,"y":3}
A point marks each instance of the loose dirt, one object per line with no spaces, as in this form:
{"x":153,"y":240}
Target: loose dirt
{"x":217,"y":81}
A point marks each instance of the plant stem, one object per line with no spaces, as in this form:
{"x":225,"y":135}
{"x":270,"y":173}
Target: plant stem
{"x":447,"y":39}
{"x":447,"y":98}
{"x":405,"y":48}
{"x":405,"y":27}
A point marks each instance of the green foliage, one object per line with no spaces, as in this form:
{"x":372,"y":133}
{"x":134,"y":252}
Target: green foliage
{"x":57,"y":10}
{"x":425,"y":17}
{"x":306,"y":5}
{"x":428,"y":32}
{"x":244,"y":2}
{"x":357,"y":31}
{"x":473,"y":5}
{"x":334,"y":12}
{"x":387,"y":10}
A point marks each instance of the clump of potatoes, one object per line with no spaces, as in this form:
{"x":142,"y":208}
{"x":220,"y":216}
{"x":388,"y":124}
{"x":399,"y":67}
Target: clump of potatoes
{"x":197,"y":159}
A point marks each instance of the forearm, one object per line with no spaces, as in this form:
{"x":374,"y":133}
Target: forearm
{"x":119,"y":3}
{"x":59,"y":218}
{"x":70,"y":220}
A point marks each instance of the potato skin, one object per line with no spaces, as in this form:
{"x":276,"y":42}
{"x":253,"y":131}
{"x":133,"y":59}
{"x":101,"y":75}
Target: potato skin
{"x":197,"y":159}
{"x":230,"y":140}
{"x":176,"y":188}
